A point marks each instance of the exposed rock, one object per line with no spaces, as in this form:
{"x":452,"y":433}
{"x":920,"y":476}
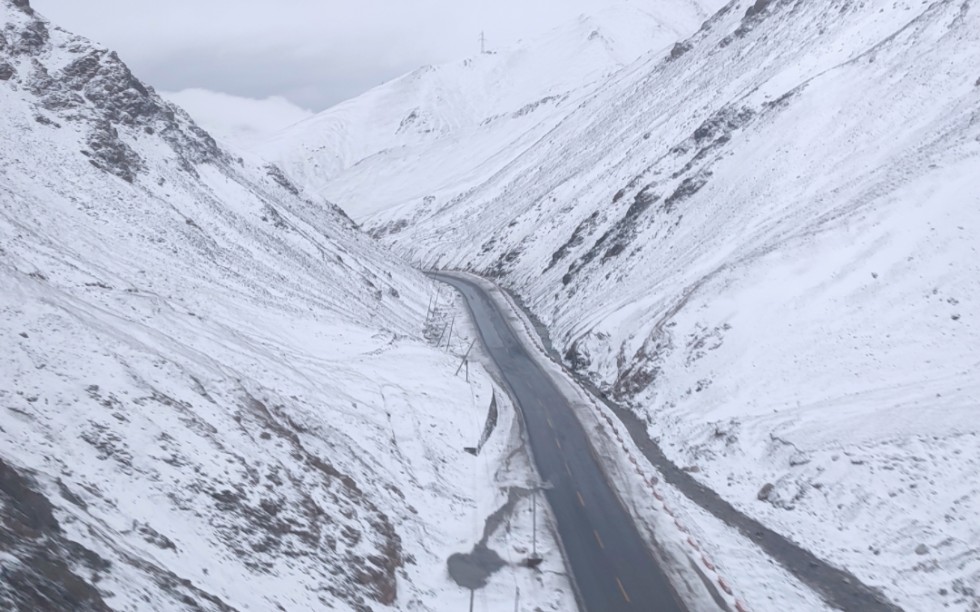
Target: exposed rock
{"x":764,"y":492}
{"x":6,"y":71}
{"x":107,"y":152}
{"x":40,"y":577}
{"x":722,"y":124}
{"x":108,"y":84}
{"x":678,"y":50}
{"x":757,"y":8}
{"x":686,"y":189}
{"x":46,"y":121}
{"x":97,"y":88}
{"x":276,"y":173}
{"x":153,"y":537}
{"x":921,"y":549}
{"x":24,"y":5}
{"x":33,"y":38}
{"x":577,"y":357}
{"x":584,"y":228}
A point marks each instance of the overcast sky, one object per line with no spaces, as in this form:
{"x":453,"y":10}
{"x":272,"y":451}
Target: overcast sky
{"x":313,"y":53}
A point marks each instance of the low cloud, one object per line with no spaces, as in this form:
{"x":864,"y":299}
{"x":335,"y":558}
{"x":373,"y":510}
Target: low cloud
{"x":313,"y":52}
{"x":242,"y":122}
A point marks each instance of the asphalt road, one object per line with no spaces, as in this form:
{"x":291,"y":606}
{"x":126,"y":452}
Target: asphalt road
{"x":612,"y":567}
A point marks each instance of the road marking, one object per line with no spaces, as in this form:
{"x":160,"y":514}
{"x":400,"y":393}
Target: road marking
{"x":623,"y":591}
{"x":558,"y":442}
{"x":598,"y":539}
{"x":580,"y":500}
{"x":568,"y":470}
{"x":550,"y":424}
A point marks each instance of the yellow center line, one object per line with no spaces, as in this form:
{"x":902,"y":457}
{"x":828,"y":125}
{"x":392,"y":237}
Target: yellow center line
{"x":623,"y":591}
{"x":580,"y":500}
{"x":599,"y":540}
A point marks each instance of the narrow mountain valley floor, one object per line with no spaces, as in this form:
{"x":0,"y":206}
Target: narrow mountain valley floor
{"x":831,"y":586}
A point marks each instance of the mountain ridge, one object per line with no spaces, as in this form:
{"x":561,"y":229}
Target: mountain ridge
{"x":204,"y":402}
{"x":503,"y":99}
{"x":760,"y":242}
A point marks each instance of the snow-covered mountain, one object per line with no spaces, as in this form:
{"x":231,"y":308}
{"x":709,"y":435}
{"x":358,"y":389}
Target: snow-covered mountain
{"x":427,"y":133}
{"x":215,"y":394}
{"x":765,"y":240}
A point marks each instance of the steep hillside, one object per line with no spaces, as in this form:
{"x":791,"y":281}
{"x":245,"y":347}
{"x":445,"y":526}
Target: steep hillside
{"x":214,"y":394}
{"x":441,"y":128}
{"x":766,"y":243}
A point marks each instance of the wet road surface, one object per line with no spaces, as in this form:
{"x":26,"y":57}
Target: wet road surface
{"x":612,"y":568}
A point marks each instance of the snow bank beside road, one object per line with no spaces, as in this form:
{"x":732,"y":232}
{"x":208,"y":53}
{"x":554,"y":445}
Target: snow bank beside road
{"x":707,"y":560}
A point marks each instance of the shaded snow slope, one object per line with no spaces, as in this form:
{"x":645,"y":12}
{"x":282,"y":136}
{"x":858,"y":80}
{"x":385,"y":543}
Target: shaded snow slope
{"x":427,"y":133}
{"x":214,"y":394}
{"x":766,"y":242}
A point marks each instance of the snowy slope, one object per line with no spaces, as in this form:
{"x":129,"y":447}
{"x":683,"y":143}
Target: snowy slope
{"x":488,"y":107}
{"x":766,"y":242}
{"x":214,"y":394}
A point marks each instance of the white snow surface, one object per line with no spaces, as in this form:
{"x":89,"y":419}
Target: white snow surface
{"x":766,"y":242}
{"x":453,"y":124}
{"x":223,"y":388}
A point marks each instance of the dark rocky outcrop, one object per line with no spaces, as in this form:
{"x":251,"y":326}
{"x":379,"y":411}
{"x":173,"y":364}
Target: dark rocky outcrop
{"x":277,"y":175}
{"x":678,"y":50}
{"x":44,"y":574}
{"x":96,"y":88}
{"x":757,"y":8}
{"x":109,"y":153}
{"x":24,"y":5}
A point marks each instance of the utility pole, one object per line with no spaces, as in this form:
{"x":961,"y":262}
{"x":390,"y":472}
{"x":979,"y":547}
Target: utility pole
{"x":534,"y":522}
{"x":534,"y":560}
{"x":428,"y":310}
{"x":517,"y":600}
{"x":483,"y":44}
{"x":449,"y":340}
{"x":465,"y":362}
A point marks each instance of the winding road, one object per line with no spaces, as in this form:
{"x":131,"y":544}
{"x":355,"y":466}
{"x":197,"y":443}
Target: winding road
{"x":612,"y":567}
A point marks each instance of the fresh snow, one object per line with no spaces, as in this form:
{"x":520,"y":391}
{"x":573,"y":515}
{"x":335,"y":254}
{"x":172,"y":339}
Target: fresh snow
{"x":221,"y":391}
{"x":764,"y":240}
{"x":423,"y":135}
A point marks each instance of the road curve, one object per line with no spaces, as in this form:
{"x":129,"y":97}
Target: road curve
{"x":612,"y":568}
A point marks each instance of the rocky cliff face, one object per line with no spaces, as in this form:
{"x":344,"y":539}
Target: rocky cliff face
{"x":77,"y":82}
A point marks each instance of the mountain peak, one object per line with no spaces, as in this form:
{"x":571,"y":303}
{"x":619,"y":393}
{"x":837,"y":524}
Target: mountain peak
{"x":510,"y":96}
{"x":77,"y":82}
{"x":24,"y":5}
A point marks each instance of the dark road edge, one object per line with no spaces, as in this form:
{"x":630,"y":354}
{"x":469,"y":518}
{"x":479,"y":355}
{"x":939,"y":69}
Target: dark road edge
{"x":836,"y":587}
{"x":517,"y":329}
